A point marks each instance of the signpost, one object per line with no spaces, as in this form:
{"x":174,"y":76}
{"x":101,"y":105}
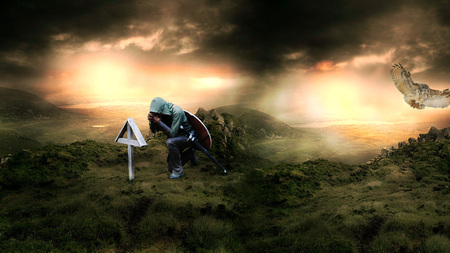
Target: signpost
{"x":131,"y":129}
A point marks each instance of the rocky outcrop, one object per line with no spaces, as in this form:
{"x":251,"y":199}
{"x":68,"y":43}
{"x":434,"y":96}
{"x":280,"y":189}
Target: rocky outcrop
{"x":231,"y":134}
{"x":433,"y":135}
{"x":228,"y":134}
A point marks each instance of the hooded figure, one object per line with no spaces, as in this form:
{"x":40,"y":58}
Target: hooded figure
{"x":173,"y":117}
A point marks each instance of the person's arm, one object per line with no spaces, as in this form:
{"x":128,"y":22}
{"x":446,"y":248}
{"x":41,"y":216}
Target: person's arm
{"x":151,"y":123}
{"x":177,"y":119}
{"x":156,"y":124}
{"x":153,"y":127}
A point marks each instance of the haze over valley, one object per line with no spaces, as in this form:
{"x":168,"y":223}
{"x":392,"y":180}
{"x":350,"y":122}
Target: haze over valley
{"x":350,"y":142}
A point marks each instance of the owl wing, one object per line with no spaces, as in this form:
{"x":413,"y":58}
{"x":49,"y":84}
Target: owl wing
{"x":438,"y":98}
{"x":403,"y":80}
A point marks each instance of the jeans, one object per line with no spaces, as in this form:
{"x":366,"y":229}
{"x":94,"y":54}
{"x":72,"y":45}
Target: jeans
{"x":177,"y":158}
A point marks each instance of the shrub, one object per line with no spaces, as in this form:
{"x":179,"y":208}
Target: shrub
{"x":208,"y":233}
{"x":29,"y":245}
{"x":392,"y":242}
{"x":436,"y":244}
{"x":290,"y":180}
{"x":87,"y":234}
{"x":54,"y":164}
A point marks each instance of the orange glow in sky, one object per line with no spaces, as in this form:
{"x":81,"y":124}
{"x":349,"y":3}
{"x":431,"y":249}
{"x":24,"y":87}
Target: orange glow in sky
{"x":339,"y":94}
{"x":328,"y":92}
{"x":104,"y":78}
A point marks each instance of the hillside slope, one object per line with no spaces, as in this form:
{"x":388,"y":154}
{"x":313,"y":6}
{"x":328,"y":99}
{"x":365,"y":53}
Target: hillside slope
{"x":13,"y":141}
{"x":77,"y":197}
{"x":21,"y":105}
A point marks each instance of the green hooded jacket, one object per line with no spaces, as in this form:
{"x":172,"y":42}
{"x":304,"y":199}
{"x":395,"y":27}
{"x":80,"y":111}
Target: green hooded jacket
{"x":159,"y":105}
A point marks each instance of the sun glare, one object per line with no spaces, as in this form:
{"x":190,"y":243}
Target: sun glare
{"x":106,"y":78}
{"x":334,"y":97}
{"x":208,"y":83}
{"x":339,"y":99}
{"x":102,"y":77}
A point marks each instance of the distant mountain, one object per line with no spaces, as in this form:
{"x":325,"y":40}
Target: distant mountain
{"x":22,"y":105}
{"x":236,"y":110}
{"x":257,"y":123}
{"x":264,"y":125}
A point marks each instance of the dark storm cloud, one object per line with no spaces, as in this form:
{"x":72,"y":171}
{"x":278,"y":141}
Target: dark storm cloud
{"x":28,"y":28}
{"x":30,"y":25}
{"x":419,"y":32}
{"x":264,"y":32}
{"x":258,"y":36}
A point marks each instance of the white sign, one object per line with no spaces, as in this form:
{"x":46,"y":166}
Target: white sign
{"x":131,"y":129}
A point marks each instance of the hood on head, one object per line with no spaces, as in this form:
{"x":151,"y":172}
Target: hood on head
{"x":159,"y":105}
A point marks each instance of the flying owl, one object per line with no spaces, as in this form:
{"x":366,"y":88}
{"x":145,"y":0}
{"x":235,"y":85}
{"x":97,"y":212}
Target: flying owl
{"x":418,"y":95}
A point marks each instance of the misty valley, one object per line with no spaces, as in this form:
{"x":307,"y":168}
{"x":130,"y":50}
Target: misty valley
{"x":342,"y":188}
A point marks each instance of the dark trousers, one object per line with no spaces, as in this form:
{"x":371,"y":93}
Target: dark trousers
{"x":177,"y":158}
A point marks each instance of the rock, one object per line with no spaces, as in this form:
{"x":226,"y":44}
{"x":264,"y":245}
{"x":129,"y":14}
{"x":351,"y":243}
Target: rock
{"x":440,"y":138}
{"x":401,"y":144}
{"x":201,"y":114}
{"x":230,"y":126}
{"x":421,"y":137}
{"x":432,"y":134}
{"x":384,"y":151}
{"x":5,"y":159}
{"x":239,"y":131}
{"x":227,"y":132}
{"x":262,"y":132}
{"x":216,"y":116}
{"x":445,"y":132}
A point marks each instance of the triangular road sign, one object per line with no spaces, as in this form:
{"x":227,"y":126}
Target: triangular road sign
{"x":131,"y":129}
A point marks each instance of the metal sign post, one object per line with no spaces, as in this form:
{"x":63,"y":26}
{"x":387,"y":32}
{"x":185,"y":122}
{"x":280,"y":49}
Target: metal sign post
{"x":131,"y":129}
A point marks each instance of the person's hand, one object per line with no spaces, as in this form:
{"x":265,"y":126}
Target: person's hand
{"x":154,"y":118}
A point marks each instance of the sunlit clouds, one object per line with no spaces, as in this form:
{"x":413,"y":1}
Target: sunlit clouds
{"x":346,"y":93}
{"x":105,"y":77}
{"x":296,"y":60}
{"x":146,"y":43}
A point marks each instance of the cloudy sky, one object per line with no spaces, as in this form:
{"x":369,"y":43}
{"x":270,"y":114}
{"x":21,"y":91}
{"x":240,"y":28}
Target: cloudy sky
{"x":321,"y":59}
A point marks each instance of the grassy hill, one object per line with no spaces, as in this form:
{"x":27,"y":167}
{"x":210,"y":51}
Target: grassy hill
{"x":13,"y":141}
{"x":21,"y":105}
{"x":77,"y":198}
{"x":25,"y":118}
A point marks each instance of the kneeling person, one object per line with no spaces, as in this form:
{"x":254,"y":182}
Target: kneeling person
{"x":175,"y":125}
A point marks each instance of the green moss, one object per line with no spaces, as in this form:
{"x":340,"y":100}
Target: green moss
{"x":77,"y":198}
{"x":59,"y":165}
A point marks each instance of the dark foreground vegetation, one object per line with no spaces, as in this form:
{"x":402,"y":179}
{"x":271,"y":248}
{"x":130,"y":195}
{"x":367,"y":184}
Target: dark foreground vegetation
{"x":77,"y":198}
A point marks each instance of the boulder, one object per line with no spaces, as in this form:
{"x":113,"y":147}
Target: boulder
{"x":216,"y":116}
{"x":432,"y":134}
{"x":201,"y":113}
